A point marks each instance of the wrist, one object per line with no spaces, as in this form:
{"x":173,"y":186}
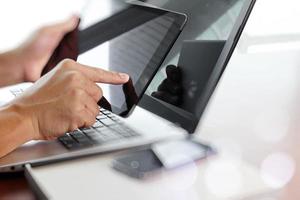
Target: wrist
{"x":25,"y":117}
{"x":11,"y":67}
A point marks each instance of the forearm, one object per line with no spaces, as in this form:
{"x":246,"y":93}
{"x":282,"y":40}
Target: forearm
{"x":9,"y":69}
{"x":15,"y":129}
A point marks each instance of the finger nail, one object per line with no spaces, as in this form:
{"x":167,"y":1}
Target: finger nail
{"x":124,"y":76}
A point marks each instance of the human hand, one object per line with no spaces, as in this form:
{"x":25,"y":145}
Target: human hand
{"x":68,"y":47}
{"x":65,"y":99}
{"x":34,"y":54}
{"x":170,"y":90}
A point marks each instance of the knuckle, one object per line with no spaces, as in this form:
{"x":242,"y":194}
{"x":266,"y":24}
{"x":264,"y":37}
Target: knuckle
{"x":90,"y":122}
{"x":73,"y":126}
{"x":74,"y":77}
{"x":100,"y":72}
{"x":79,"y":93}
{"x":67,"y":63}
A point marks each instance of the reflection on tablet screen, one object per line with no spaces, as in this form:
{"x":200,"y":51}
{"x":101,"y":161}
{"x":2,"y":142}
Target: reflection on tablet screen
{"x":134,"y":41}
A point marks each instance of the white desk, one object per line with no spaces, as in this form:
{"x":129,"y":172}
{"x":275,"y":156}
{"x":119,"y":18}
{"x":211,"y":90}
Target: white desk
{"x":255,"y":111}
{"x":93,"y":178}
{"x":252,"y":118}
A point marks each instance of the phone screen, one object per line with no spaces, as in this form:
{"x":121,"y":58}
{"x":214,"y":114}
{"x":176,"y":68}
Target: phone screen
{"x":139,"y":164}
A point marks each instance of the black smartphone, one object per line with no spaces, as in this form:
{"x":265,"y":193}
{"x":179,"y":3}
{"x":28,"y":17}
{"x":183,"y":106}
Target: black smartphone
{"x":166,"y":155}
{"x":139,"y":164}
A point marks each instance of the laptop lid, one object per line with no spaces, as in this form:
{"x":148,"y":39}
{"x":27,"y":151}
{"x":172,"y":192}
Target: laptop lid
{"x":199,"y":86}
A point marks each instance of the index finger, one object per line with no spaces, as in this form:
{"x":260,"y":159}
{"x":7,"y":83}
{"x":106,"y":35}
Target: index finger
{"x":102,"y":76}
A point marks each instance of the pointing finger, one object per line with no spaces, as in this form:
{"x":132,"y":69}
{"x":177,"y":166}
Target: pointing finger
{"x":103,"y":76}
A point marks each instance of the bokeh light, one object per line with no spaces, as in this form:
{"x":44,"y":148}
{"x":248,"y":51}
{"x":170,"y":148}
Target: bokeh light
{"x":182,"y":178}
{"x":229,"y":149}
{"x":277,"y":170}
{"x":223,"y":178}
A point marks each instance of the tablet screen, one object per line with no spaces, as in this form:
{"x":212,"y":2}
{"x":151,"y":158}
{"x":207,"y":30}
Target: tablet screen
{"x":135,"y":40}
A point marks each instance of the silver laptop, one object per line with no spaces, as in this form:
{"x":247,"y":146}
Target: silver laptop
{"x":112,"y":133}
{"x":131,"y":38}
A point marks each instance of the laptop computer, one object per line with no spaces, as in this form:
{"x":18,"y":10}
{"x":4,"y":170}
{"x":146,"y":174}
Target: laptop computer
{"x":132,"y":38}
{"x":140,"y":124}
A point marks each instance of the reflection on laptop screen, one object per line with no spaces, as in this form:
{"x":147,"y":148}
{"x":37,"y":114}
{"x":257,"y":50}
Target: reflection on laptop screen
{"x":183,"y":96}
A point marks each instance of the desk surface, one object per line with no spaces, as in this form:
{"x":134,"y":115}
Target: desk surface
{"x":213,"y":179}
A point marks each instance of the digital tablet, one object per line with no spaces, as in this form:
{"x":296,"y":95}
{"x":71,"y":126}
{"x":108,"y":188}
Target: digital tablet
{"x":133,"y":39}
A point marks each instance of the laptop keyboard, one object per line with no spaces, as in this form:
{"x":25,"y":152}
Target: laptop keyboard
{"x":107,"y":128}
{"x":17,"y":91}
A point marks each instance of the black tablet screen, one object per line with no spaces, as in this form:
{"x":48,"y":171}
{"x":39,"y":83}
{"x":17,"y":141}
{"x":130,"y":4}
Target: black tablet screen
{"x":134,"y":40}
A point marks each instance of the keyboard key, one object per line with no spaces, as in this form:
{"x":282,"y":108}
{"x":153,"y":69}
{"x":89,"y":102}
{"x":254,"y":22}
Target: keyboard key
{"x":101,"y":116}
{"x":89,"y":131}
{"x":92,"y":134}
{"x":97,"y":125}
{"x":101,"y":128}
{"x":105,"y":112}
{"x":108,"y":122}
{"x":109,"y":135}
{"x":81,"y":138}
{"x":98,"y":139}
{"x":124,"y":131}
{"x":68,"y":142}
{"x":17,"y":92}
{"x":114,"y":118}
{"x":109,"y":114}
{"x":130,"y":131}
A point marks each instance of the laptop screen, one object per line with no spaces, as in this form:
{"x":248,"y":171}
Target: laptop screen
{"x":183,"y":96}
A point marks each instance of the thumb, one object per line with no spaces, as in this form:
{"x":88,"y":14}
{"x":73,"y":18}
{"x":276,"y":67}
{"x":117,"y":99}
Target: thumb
{"x":67,"y":25}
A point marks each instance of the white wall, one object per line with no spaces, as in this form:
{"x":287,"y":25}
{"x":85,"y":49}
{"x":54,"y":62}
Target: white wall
{"x":19,"y":18}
